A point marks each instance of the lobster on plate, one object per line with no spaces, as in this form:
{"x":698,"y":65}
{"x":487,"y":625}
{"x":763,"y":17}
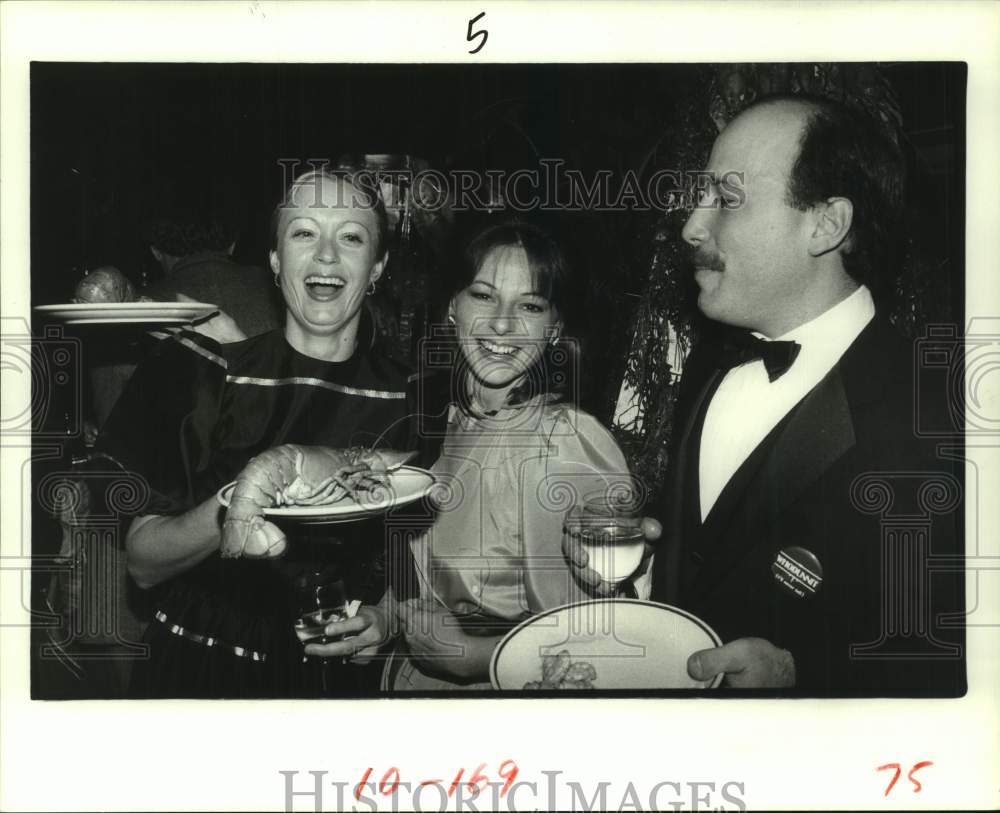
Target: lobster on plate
{"x":297,"y":475}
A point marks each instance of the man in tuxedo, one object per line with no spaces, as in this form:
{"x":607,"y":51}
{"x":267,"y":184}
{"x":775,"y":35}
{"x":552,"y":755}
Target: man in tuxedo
{"x":794,"y":452}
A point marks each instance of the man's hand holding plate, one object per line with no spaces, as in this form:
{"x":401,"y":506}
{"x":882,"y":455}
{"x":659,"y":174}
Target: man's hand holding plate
{"x":748,"y":663}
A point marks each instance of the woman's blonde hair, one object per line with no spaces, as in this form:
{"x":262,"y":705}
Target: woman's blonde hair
{"x":364,"y":183}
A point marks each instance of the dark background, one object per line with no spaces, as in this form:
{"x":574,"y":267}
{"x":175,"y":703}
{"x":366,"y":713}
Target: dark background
{"x":110,"y":141}
{"x":114,"y":144}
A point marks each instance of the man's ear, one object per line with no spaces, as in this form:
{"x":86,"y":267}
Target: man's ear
{"x":832,"y":225}
{"x":156,"y":253}
{"x":274,"y":262}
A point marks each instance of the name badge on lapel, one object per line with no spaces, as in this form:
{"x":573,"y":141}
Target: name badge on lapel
{"x":798,"y":571}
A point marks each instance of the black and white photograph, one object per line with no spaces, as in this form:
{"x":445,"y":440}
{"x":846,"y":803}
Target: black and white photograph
{"x":387,"y":420}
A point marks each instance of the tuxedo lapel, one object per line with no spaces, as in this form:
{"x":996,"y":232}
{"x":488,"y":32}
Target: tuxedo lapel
{"x":821,"y":428}
{"x":800,"y":449}
{"x":686,"y":455}
{"x":681,"y":483}
{"x":797,"y":452}
{"x":816,"y":432}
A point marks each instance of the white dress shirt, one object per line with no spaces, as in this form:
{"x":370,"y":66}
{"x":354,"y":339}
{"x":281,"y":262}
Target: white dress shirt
{"x":747,"y":405}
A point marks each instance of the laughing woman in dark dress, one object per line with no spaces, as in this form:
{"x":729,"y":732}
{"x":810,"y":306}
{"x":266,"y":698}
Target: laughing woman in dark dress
{"x":197,"y":412}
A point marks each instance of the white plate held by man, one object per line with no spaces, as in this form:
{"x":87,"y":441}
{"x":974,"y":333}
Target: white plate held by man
{"x":630,"y":644}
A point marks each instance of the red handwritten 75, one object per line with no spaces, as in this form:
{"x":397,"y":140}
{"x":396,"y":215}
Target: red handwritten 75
{"x":917,"y":787}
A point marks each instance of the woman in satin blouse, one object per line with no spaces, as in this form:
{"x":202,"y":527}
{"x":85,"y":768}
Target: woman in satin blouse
{"x":517,"y":452}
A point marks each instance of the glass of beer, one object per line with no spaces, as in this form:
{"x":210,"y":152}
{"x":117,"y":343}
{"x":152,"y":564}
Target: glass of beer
{"x":609,"y":526}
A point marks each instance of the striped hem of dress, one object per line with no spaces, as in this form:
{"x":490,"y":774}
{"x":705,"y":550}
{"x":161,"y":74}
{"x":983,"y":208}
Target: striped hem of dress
{"x":208,"y":640}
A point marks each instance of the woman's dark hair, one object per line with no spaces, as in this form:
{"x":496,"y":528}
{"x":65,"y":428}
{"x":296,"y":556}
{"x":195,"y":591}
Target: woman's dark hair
{"x":555,"y":371}
{"x":364,"y":183}
{"x":846,"y":153}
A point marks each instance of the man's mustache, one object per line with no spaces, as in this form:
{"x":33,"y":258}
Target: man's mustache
{"x":700,"y":257}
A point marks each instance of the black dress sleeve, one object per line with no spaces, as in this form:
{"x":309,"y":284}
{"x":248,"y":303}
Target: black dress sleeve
{"x":161,"y":427}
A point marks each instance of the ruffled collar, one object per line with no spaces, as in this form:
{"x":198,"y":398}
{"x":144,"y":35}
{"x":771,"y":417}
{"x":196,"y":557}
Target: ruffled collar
{"x":472,"y":413}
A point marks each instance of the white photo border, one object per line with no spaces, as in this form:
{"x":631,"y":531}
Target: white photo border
{"x":179,"y":755}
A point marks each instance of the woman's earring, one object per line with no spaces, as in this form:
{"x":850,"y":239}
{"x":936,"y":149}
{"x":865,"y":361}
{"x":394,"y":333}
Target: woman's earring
{"x":451,"y":318}
{"x":277,"y":282}
{"x":371,"y":288}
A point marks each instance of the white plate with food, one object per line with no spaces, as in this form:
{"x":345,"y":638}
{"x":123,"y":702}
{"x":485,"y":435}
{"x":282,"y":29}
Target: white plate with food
{"x":603,"y":644}
{"x":402,"y":486}
{"x":120,"y":313}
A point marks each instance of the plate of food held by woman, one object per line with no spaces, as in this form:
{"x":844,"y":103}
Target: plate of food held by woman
{"x":106,"y":296}
{"x":121,"y":313}
{"x":323,"y":485}
{"x":199,"y":413}
{"x":605,"y":644}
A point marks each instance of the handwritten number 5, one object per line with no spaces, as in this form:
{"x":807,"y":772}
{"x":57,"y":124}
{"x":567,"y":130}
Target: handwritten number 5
{"x":473,"y":34}
{"x":917,"y":787}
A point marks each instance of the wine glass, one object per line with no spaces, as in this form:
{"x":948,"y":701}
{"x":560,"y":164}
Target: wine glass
{"x":609,"y":527}
{"x":319,"y":599}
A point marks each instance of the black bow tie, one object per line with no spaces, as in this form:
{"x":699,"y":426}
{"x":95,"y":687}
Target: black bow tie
{"x":742,"y":348}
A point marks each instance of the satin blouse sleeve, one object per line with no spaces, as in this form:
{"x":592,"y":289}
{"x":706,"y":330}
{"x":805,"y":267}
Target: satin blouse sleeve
{"x":581,"y":458}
